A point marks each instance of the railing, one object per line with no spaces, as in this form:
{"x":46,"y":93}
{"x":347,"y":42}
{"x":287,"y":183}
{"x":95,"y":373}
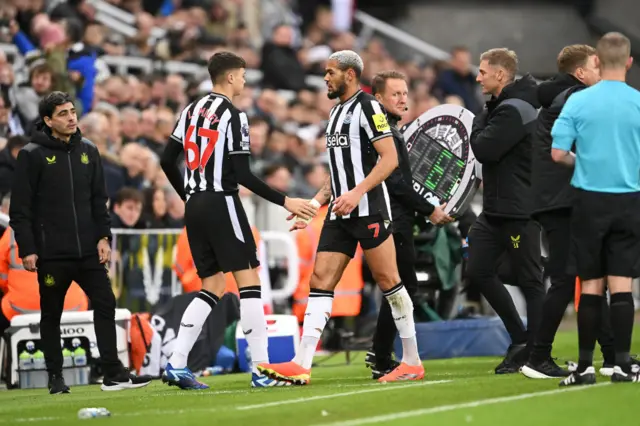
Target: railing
{"x":142,"y":267}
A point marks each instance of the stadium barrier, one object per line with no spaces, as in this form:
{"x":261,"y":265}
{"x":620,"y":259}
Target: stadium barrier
{"x":142,"y":273}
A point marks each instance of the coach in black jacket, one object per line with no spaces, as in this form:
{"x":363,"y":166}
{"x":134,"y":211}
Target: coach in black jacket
{"x":59,"y":215}
{"x":552,"y":196}
{"x":501,"y":141}
{"x":390,"y":89}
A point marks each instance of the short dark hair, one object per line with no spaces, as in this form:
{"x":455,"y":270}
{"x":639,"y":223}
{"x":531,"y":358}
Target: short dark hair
{"x":128,"y":194}
{"x":49,"y":103}
{"x":380,"y":80}
{"x":17,"y":141}
{"x":573,"y":57}
{"x":223,"y":62}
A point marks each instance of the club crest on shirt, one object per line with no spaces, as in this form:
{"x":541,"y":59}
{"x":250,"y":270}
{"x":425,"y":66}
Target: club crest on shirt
{"x":348,"y":117}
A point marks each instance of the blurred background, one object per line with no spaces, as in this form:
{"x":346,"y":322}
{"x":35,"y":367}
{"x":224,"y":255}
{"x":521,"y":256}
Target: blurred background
{"x":132,"y":65}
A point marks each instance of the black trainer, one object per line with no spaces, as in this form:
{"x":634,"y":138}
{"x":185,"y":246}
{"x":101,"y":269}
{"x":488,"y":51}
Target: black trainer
{"x":547,"y":369}
{"x":124,"y":380}
{"x":628,"y":374}
{"x":587,"y":377}
{"x":515,"y":358}
{"x":379,"y":368}
{"x":57,"y":385}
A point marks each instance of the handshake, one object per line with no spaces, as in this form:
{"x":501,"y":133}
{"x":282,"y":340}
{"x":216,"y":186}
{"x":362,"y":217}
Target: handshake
{"x":301,"y":210}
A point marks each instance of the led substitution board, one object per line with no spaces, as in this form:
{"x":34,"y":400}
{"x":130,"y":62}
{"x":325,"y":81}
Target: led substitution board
{"x":443,"y":166}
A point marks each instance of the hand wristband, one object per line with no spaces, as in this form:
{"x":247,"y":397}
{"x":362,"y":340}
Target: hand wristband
{"x":315,"y":204}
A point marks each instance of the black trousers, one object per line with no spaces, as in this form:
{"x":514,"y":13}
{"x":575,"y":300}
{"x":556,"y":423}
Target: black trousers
{"x":386,"y":329}
{"x":493,"y":240}
{"x":54,"y":279}
{"x":557,"y":226}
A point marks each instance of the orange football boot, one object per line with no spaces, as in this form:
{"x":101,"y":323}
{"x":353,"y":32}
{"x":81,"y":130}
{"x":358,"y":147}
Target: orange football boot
{"x":287,"y":371}
{"x":404,"y":372}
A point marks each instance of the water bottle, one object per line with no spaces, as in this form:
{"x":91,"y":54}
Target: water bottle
{"x":213,"y":371}
{"x":79,"y":357}
{"x":92,"y":413}
{"x":25,"y":361}
{"x":38,"y":360}
{"x":67,"y":358}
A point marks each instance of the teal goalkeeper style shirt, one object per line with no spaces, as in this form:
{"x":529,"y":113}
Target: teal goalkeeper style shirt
{"x":604,"y":123}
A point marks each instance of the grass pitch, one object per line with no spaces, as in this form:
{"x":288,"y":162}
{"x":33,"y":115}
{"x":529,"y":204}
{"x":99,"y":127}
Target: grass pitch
{"x":455,"y":392}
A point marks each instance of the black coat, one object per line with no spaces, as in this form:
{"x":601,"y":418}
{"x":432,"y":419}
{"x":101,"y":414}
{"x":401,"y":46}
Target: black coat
{"x":550,"y":180}
{"x":501,"y":140}
{"x":58,"y":200}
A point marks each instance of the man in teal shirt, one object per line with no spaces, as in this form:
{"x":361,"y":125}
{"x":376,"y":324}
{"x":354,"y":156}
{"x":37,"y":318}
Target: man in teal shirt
{"x":602,"y":125}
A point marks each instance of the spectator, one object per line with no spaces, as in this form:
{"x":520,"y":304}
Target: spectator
{"x":280,"y":66}
{"x":94,"y":126}
{"x":315,"y":176}
{"x":127,"y":209}
{"x":130,"y":121}
{"x":148,"y":122}
{"x":156,"y":214}
{"x":8,"y":161}
{"x":132,"y":157}
{"x":459,"y":80}
{"x":28,"y":95}
{"x":164,"y":127}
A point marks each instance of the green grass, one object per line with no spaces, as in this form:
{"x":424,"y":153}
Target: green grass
{"x":455,"y":392}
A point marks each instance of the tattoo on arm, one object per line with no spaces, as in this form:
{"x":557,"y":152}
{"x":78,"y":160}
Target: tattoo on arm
{"x":324,"y":195}
{"x":326,"y":188}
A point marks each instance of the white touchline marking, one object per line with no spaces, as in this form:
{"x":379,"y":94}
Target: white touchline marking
{"x":160,"y":412}
{"x":382,"y":388}
{"x":452,"y":407}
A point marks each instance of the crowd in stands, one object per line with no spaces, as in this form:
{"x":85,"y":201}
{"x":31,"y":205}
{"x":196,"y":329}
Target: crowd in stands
{"x":130,"y":117}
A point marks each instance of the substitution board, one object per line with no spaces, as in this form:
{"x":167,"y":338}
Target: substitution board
{"x":443,"y":166}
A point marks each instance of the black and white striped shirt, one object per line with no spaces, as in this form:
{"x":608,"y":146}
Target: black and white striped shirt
{"x":354,"y":126}
{"x":211,"y":129}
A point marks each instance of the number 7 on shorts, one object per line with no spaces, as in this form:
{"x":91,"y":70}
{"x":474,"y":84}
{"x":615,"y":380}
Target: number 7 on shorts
{"x":376,"y":229}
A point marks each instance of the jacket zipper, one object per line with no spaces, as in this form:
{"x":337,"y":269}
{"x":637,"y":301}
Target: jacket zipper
{"x":73,"y":204}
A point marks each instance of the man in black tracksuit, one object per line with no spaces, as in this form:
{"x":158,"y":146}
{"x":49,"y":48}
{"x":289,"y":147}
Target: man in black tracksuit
{"x":552,"y":199}
{"x":390,"y":89}
{"x":501,"y":141}
{"x":59,"y":215}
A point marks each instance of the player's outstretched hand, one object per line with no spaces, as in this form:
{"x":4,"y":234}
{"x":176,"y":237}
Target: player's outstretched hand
{"x":300,"y":207}
{"x":297,"y":223}
{"x":439,"y":217}
{"x":345,"y":203}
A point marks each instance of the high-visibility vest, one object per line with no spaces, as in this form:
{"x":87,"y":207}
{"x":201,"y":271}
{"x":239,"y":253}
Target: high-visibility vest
{"x":20,"y":287}
{"x":187,"y":272}
{"x":347,"y":299}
